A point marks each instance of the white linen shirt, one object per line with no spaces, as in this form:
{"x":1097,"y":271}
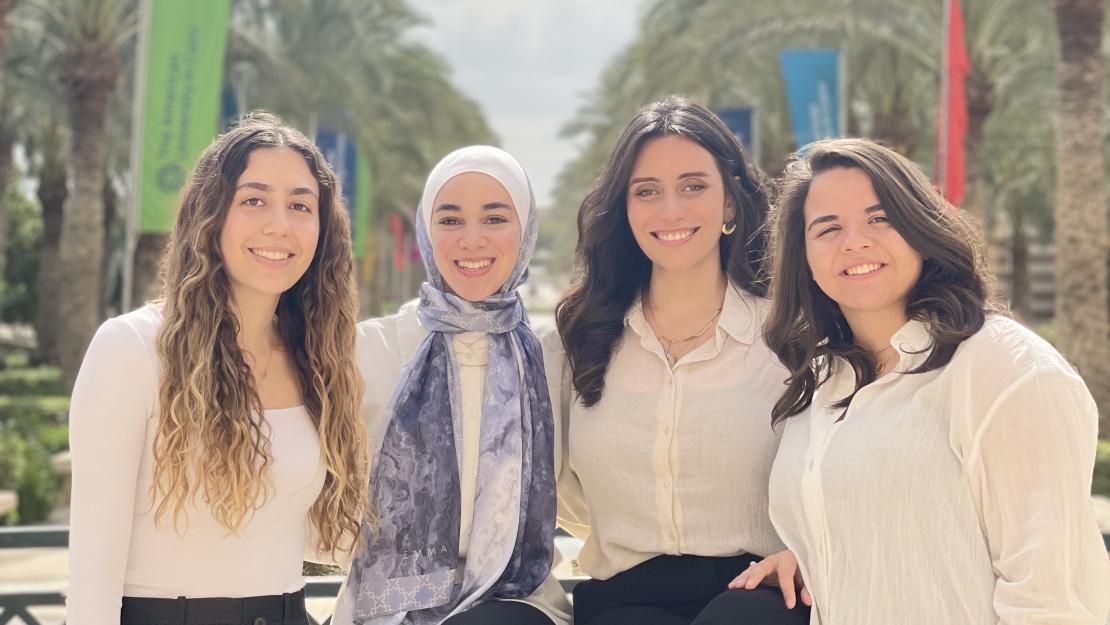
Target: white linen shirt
{"x":385,"y":347}
{"x":961,"y":495}
{"x":116,"y":549}
{"x":671,"y":460}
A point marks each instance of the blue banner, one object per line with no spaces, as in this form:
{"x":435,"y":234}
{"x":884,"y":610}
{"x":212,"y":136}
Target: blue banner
{"x":741,"y":121}
{"x":813,"y":92}
{"x":342,"y":153}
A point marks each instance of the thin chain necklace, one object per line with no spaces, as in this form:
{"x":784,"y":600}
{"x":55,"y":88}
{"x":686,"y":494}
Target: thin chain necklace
{"x":880,"y":367}
{"x":269,"y":358}
{"x":668,"y":344}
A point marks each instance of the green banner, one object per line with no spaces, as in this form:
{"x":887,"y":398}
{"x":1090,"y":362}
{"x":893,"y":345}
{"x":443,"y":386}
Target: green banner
{"x":184,"y":62}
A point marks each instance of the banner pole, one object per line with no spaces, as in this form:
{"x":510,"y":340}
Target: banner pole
{"x":138,"y":94}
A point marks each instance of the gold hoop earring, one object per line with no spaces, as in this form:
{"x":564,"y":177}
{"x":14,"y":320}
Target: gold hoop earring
{"x":729,"y":227}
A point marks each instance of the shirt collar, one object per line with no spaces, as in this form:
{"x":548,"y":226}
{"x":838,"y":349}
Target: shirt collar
{"x":739,"y":317}
{"x":913,"y":339}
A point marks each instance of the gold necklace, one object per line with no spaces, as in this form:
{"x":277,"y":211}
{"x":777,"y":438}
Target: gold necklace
{"x":668,"y":344}
{"x":880,"y":365}
{"x":269,"y":359}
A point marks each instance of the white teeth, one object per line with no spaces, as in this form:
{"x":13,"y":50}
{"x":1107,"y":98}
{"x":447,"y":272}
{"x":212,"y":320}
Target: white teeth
{"x":859,"y":270}
{"x":474,"y":264}
{"x":271,"y":254}
{"x":675,"y":235}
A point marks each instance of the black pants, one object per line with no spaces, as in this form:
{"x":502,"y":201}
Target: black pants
{"x":287,"y":609}
{"x":682,"y":590}
{"x":500,"y":613}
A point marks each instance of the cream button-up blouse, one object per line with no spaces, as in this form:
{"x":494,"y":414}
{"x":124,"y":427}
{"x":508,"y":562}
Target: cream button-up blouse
{"x":671,"y":460}
{"x":961,"y":495}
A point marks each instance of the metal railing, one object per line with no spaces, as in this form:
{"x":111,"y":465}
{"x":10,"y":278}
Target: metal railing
{"x":15,"y":606}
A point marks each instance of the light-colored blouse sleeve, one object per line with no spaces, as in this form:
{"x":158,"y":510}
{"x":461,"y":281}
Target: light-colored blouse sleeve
{"x":573,"y":514}
{"x":113,"y":398}
{"x":1029,"y":463}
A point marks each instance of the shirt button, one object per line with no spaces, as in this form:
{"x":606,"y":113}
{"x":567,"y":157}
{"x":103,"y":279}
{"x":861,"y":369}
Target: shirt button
{"x":666,"y":429}
{"x":473,"y":472}
{"x":472,"y":413}
{"x":666,"y":484}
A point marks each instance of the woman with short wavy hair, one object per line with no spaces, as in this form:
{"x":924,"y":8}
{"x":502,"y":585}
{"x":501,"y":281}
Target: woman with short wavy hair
{"x":936,"y":456}
{"x":215,"y":434}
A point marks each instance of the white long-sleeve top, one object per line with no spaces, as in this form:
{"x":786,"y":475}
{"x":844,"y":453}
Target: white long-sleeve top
{"x":961,"y":495}
{"x":385,"y":347}
{"x":671,"y":460}
{"x":115,"y":547}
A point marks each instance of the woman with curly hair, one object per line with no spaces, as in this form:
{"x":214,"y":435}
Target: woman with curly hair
{"x":215,"y":433}
{"x":936,"y":455}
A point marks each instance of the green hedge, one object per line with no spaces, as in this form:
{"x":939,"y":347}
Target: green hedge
{"x":32,"y":430}
{"x":1101,"y":484}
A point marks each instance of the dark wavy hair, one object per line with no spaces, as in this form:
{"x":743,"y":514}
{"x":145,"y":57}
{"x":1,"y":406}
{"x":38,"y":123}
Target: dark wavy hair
{"x":206,"y":442}
{"x":806,"y":328}
{"x":613,"y":270}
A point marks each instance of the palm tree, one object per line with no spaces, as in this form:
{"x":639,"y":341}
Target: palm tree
{"x":1082,"y":245}
{"x":6,"y":140}
{"x":88,"y":35}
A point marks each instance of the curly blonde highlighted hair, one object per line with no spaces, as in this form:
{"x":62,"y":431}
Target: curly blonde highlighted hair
{"x":207,"y":442}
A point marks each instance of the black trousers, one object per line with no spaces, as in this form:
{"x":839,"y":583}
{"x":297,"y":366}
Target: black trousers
{"x":287,"y":609}
{"x":682,"y":590}
{"x":500,"y":613}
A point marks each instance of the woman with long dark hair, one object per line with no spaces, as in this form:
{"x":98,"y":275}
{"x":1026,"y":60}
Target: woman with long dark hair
{"x":216,"y":433}
{"x":662,"y":381}
{"x":936,"y":456}
{"x":458,"y":408}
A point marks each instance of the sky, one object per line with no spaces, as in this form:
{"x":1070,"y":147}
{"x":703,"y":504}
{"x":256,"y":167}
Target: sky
{"x":530,"y":65}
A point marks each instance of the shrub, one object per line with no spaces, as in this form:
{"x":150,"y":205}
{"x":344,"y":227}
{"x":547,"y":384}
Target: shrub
{"x":1101,"y":484}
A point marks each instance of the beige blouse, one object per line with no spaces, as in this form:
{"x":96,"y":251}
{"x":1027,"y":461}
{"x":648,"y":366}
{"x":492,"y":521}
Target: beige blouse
{"x":961,"y":495}
{"x":671,"y":460}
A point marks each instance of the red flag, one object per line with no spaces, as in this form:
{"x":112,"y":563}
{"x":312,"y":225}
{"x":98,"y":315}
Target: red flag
{"x":397,"y":229}
{"x":952,"y":117}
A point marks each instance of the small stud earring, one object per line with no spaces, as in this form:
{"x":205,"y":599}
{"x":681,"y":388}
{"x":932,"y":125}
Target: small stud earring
{"x":729,"y":227}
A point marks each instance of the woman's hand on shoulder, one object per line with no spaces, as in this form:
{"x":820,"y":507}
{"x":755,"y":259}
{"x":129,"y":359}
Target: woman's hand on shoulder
{"x":779,"y":569}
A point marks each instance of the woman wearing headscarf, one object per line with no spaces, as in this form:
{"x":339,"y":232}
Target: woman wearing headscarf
{"x":457,"y":407}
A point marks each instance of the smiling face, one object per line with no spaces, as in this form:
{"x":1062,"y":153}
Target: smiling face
{"x":475,"y":233}
{"x":272,"y":227}
{"x":676,"y":203}
{"x":854,"y":253}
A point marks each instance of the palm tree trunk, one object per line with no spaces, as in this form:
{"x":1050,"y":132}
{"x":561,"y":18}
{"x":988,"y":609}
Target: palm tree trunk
{"x":5,"y":131}
{"x":1082,"y":241}
{"x":52,"y":194}
{"x":148,"y":259}
{"x":91,"y":77}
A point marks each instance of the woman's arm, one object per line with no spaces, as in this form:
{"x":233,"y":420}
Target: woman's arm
{"x":573,"y":513}
{"x":112,"y":400}
{"x":1029,"y":468}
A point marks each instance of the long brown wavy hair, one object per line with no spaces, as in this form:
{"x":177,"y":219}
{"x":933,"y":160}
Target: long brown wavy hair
{"x":613,"y":270}
{"x":207,"y":443}
{"x":807,"y":330}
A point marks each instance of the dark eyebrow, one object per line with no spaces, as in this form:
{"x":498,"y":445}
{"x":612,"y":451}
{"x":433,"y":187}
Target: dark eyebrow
{"x":447,"y":207}
{"x":262,"y":186}
{"x":823,"y":219}
{"x":494,"y":206}
{"x":689,"y":174}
